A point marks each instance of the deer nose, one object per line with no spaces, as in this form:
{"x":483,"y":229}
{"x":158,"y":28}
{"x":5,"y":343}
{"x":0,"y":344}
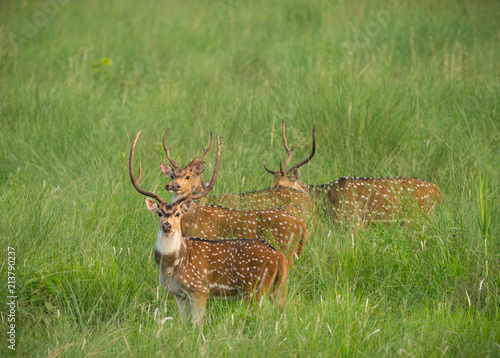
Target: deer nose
{"x":173,"y":187}
{"x":166,"y":227}
{"x":176,"y":187}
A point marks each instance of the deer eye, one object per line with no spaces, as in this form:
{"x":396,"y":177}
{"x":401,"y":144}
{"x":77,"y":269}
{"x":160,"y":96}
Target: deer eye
{"x":188,"y":177}
{"x":172,"y":177}
{"x":178,"y":214}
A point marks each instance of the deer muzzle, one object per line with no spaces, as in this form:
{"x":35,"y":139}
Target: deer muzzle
{"x":172,"y":187}
{"x":167,"y":228}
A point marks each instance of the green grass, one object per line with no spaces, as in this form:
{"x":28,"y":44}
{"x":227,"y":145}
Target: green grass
{"x":395,"y":89}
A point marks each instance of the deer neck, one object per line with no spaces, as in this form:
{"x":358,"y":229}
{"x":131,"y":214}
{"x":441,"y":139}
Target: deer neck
{"x":189,"y":221}
{"x":170,"y":245}
{"x":176,"y":196}
{"x":304,"y":187}
{"x":320,"y":190}
{"x":197,"y":189}
{"x":171,"y":251}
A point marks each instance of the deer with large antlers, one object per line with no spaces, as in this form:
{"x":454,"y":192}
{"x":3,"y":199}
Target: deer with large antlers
{"x":360,"y":200}
{"x":188,"y":178}
{"x":280,"y":226}
{"x":194,"y":270}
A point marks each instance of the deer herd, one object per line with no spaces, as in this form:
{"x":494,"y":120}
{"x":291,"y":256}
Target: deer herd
{"x":243,"y":244}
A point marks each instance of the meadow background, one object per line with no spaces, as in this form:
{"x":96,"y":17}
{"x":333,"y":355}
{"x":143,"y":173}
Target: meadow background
{"x":401,"y":88}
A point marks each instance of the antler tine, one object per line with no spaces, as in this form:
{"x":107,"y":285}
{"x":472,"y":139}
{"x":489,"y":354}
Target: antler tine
{"x":288,"y":150}
{"x":205,"y":152}
{"x":284,"y":138}
{"x":312,"y":152}
{"x":273,"y":172}
{"x":206,"y":189}
{"x":282,"y":169}
{"x":135,"y":182}
{"x":202,"y":181}
{"x":287,"y":159}
{"x":167,"y":150}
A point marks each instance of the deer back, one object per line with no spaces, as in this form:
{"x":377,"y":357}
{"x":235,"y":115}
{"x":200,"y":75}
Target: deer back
{"x":377,"y":199}
{"x":274,"y":225}
{"x":270,"y":198}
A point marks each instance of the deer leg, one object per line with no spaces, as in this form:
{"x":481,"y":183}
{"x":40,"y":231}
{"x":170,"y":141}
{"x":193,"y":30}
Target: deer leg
{"x":279,"y":284}
{"x":253,"y":295}
{"x":262,"y":287}
{"x":302,"y":237}
{"x":198,"y":307}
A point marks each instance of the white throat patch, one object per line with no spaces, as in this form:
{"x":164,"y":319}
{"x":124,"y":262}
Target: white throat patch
{"x":168,"y":244}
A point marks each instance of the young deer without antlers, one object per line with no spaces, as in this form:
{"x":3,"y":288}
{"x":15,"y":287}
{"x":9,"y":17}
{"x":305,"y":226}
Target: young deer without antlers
{"x":187,"y":179}
{"x":361,"y":200}
{"x":194,"y":270}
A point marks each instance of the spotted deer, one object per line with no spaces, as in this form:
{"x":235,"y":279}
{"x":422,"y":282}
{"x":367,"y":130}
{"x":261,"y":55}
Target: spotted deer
{"x":359,"y":201}
{"x":296,"y":202}
{"x":185,"y":179}
{"x":191,"y":178}
{"x":277,"y":225}
{"x":194,"y":269}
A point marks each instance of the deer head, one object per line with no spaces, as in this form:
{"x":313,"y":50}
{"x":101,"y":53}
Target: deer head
{"x":289,"y":178}
{"x":188,"y":178}
{"x":170,"y":214}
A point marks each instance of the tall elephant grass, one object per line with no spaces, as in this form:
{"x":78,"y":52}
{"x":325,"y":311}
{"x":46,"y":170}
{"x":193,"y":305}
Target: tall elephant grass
{"x":395,"y":89}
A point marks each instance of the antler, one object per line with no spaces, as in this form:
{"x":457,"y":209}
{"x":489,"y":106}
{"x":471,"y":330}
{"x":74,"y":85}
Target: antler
{"x":273,"y":172}
{"x":202,"y":181}
{"x":135,"y":182}
{"x":290,"y":152}
{"x":310,"y":156}
{"x":206,"y":189}
{"x":205,"y":153}
{"x":194,"y":161}
{"x":167,"y":150}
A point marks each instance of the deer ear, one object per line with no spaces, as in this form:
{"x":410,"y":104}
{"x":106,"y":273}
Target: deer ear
{"x":294,"y":175}
{"x":186,"y":206}
{"x":152,"y":206}
{"x":166,"y":170}
{"x":198,"y":169}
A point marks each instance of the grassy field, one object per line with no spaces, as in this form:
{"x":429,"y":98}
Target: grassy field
{"x":400,"y":88}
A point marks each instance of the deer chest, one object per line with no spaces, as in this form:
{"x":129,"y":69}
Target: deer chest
{"x":172,"y":284}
